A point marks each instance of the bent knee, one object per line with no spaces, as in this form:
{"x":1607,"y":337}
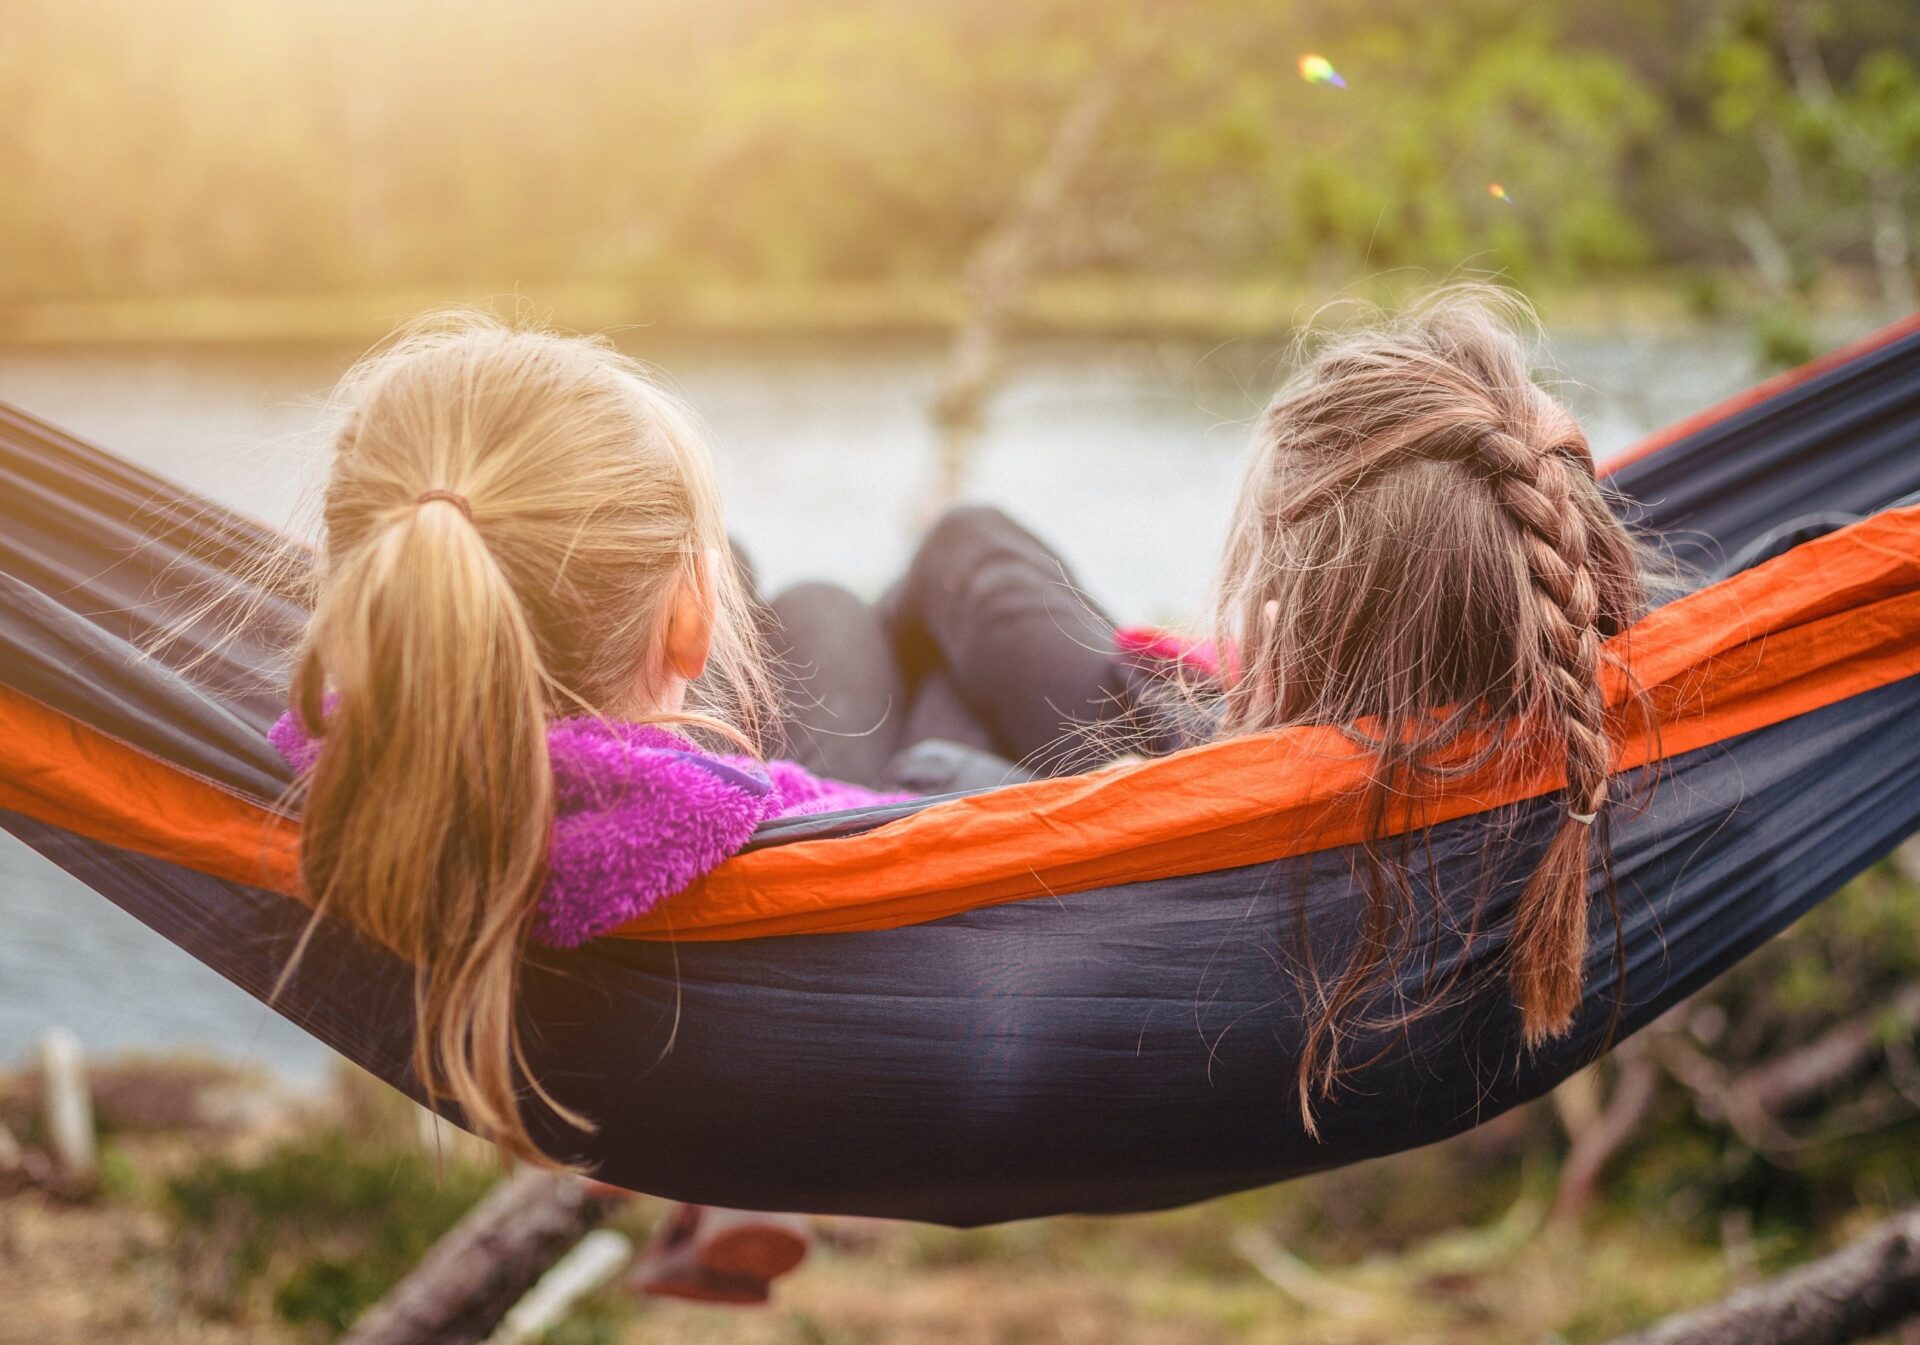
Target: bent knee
{"x":966,"y":533}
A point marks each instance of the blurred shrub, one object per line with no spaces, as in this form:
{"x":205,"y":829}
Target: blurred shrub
{"x":322,"y":1225}
{"x":1783,"y":337}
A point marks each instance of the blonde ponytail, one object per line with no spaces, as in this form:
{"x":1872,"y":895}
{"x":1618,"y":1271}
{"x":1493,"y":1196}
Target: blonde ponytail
{"x":433,"y":799}
{"x":509,"y":514}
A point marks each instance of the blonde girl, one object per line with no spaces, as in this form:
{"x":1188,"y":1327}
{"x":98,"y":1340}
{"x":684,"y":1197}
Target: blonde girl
{"x":528,"y":636}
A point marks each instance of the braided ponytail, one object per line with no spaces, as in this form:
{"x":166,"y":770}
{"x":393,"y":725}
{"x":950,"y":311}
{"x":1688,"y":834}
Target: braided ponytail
{"x":1422,"y":552}
{"x":1549,"y":943}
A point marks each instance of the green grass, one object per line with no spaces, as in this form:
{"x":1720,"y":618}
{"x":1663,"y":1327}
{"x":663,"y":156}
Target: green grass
{"x":323,"y":1224}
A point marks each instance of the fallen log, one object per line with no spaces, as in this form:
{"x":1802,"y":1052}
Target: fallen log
{"x":1812,"y":1072}
{"x":1866,"y":1288}
{"x":462,"y":1289}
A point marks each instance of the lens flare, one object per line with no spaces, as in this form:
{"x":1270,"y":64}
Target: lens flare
{"x":1317,"y":69}
{"x":1498,"y":192}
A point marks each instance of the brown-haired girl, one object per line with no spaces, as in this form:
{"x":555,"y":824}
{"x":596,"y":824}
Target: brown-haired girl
{"x":1420,"y":552}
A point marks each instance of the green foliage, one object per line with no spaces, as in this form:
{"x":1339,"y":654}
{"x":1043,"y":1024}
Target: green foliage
{"x":598,"y":1321}
{"x":1687,"y":1171}
{"x":325,"y":1223}
{"x":1707,"y":293}
{"x":1822,"y":108}
{"x":329,"y":1292}
{"x":1782,"y":337}
{"x":200,"y":148}
{"x":120,"y":1177}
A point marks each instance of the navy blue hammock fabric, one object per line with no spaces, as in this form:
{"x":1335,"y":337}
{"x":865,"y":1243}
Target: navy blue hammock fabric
{"x":1127,"y":1046}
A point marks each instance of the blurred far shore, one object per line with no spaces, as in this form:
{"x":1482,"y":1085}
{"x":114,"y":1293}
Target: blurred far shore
{"x":1084,"y":308}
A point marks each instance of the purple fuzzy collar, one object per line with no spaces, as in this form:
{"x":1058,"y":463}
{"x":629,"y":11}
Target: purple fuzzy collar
{"x":640,"y":813}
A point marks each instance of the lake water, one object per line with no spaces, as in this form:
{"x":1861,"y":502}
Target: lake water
{"x":1125,"y":456}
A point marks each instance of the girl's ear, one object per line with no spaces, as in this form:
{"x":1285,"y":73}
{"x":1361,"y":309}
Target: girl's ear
{"x":690,"y":621}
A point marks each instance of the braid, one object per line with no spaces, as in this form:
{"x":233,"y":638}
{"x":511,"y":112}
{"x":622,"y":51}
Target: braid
{"x":1535,"y":490}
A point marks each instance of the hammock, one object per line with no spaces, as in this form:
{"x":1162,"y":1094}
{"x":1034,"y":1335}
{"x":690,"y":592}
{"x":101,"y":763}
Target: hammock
{"x":1070,"y":995}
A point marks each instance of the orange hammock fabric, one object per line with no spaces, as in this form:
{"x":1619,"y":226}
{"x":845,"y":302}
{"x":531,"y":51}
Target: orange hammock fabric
{"x":1827,"y":621}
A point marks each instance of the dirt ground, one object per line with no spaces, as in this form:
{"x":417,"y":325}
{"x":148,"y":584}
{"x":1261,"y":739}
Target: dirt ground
{"x":106,"y":1272}
{"x":1476,"y":1268}
{"x":83,"y":1274}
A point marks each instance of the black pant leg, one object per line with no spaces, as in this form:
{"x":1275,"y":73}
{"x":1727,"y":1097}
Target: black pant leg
{"x":938,"y":712}
{"x":1030,"y":655}
{"x":846,"y":700}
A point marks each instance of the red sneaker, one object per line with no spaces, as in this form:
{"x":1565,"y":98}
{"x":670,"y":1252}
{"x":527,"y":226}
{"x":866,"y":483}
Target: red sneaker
{"x":750,"y":1244}
{"x":709,"y":1255}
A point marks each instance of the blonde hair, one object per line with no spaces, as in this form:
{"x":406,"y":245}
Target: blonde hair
{"x":1421,"y":549}
{"x":508,"y":517}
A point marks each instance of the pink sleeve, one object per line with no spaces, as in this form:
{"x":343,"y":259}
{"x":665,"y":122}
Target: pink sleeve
{"x":1186,"y":653}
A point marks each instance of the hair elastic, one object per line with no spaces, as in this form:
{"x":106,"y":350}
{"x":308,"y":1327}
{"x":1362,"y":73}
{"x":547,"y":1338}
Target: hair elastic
{"x":452,"y":497}
{"x":1584,"y":819}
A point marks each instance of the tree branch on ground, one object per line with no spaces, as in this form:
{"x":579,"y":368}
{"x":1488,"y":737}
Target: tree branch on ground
{"x":1867,"y":1287}
{"x":1753,"y":1103}
{"x":466,"y":1285}
{"x":1296,"y":1279}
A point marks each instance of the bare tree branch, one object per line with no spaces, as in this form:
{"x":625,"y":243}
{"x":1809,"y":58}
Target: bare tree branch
{"x":1764,"y":249}
{"x":1003,"y":267}
{"x":1594,"y":1144}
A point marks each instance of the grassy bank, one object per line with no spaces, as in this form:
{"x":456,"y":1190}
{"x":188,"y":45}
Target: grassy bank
{"x":224,"y":1234}
{"x":1096,"y":306}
